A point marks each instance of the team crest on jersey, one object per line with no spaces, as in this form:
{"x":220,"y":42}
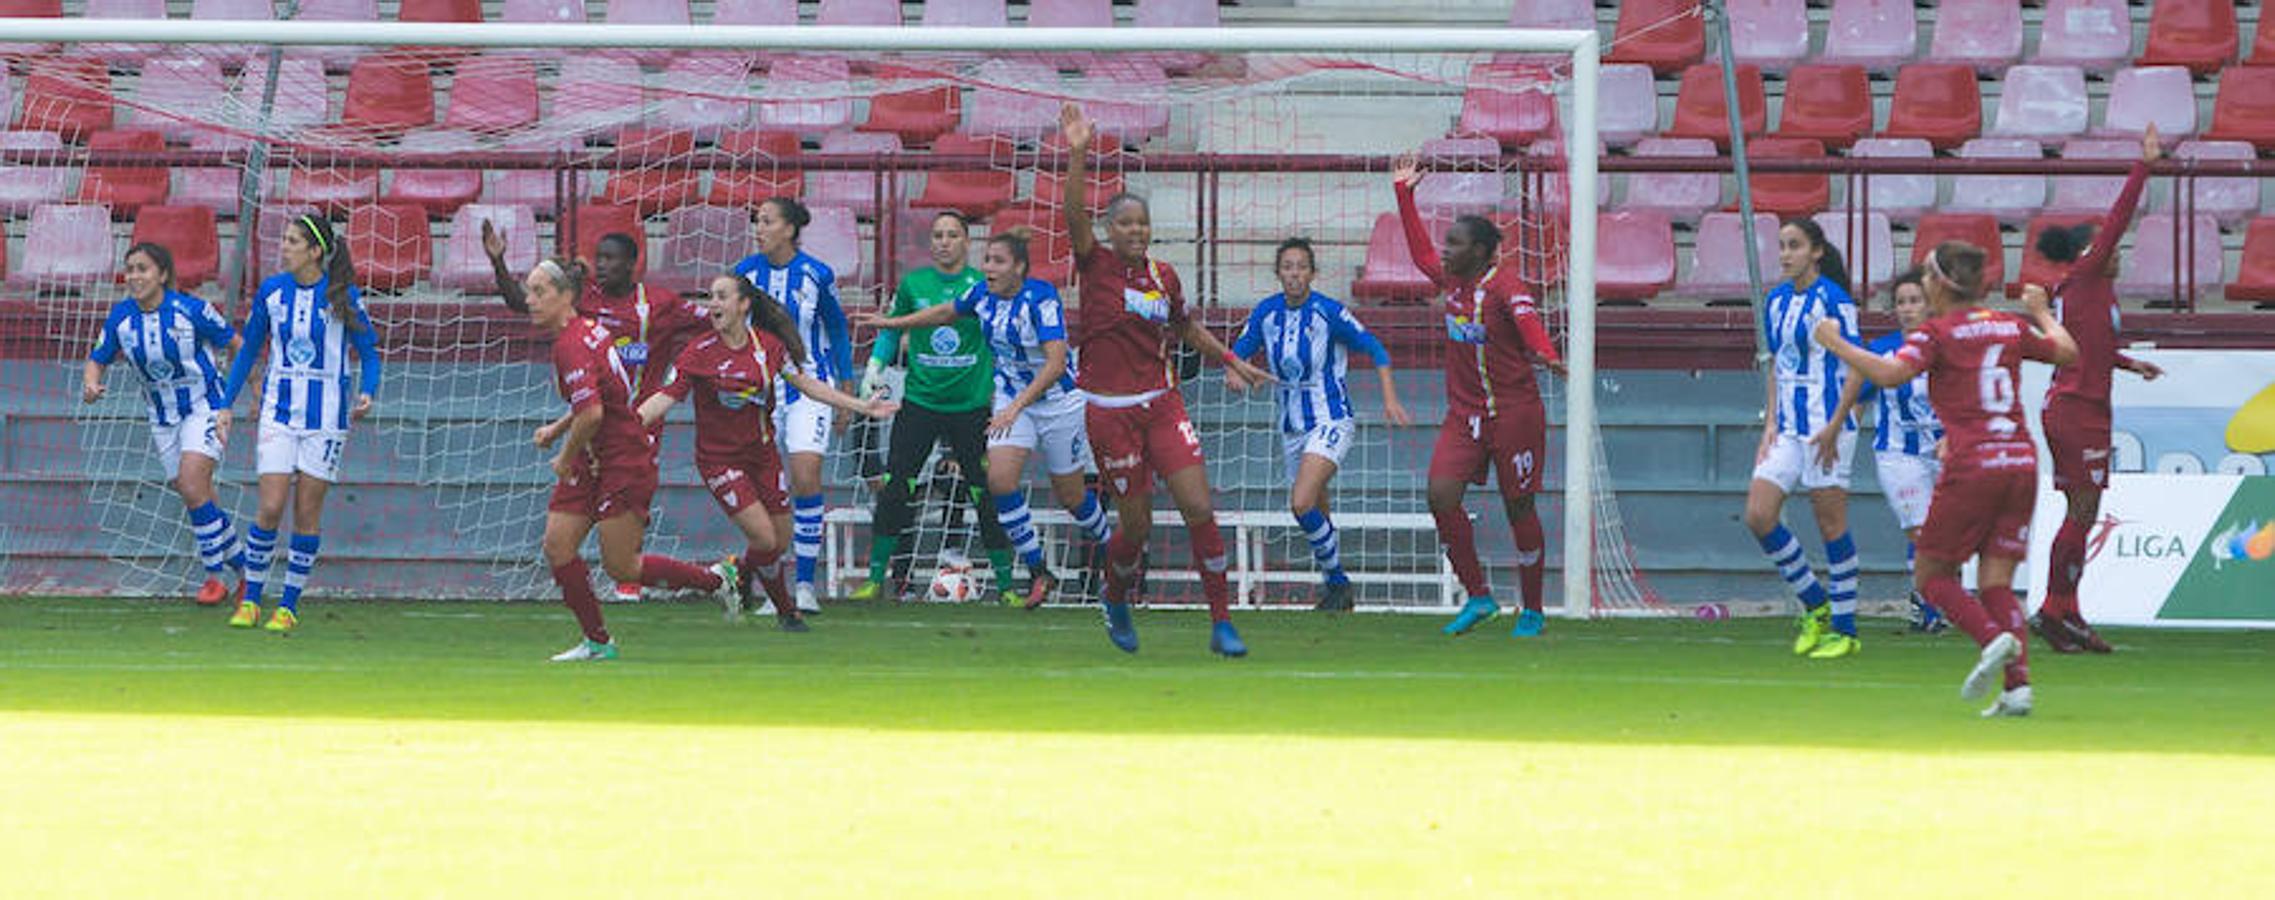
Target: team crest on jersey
{"x":300,"y":352}
{"x":161,"y":368}
{"x":1152,"y":306}
{"x":1462,"y":329}
{"x":946,"y":340}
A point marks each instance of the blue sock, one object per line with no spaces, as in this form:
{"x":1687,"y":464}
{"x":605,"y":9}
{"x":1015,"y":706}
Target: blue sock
{"x":300,"y":561}
{"x":1019,"y":526}
{"x":1091,"y":515}
{"x":1840,"y":572}
{"x":1793,"y":565}
{"x":216,"y":537}
{"x":260,"y":548}
{"x":806,"y":534}
{"x":1325,"y":549}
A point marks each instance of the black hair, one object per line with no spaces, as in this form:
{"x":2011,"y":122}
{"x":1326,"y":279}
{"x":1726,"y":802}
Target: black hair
{"x":1015,"y":242}
{"x":1124,"y":197}
{"x":159,"y":256}
{"x":1829,"y":264}
{"x":769,"y":315}
{"x":1296,"y":243}
{"x":962,"y":221}
{"x":2065,"y":244}
{"x":339,"y":269}
{"x":623,"y":241}
{"x":792,"y":212}
{"x":1914,"y":276}
{"x":1479,"y":230}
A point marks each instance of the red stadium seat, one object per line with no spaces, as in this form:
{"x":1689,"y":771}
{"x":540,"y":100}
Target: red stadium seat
{"x":336,"y":57}
{"x":2163,"y":95}
{"x":2036,"y":268}
{"x":1792,"y":194}
{"x":2263,"y":44}
{"x":388,"y":94}
{"x":2091,"y":34}
{"x":1048,"y":255}
{"x":1772,"y":34}
{"x":2255,"y":281}
{"x":332,"y":188}
{"x":2044,"y":103}
{"x":1940,"y":103}
{"x":493,"y":95}
{"x":592,"y":220}
{"x":2198,"y":34}
{"x":2010,"y":198}
{"x":1667,"y":35}
{"x":25,"y":188}
{"x":2152,"y":264}
{"x":2245,"y":108}
{"x":29,"y":9}
{"x":647,"y":12}
{"x":763,"y":175}
{"x":70,"y":96}
{"x":1513,"y":103}
{"x":918,"y":115}
{"x":1389,"y":272}
{"x":459,"y":11}
{"x":125,"y":189}
{"x":700,"y":242}
{"x":1981,"y":231}
{"x":976,"y":192}
{"x":1701,"y":112}
{"x":389,"y":245}
{"x":1718,"y":258}
{"x":1635,"y":255}
{"x":654,"y":173}
{"x":66,"y":246}
{"x":1876,"y":34}
{"x":465,"y":266}
{"x":438,"y":191}
{"x":178,"y":95}
{"x":1832,"y":104}
{"x":1902,"y":197}
{"x":1984,"y":34}
{"x":189,"y":233}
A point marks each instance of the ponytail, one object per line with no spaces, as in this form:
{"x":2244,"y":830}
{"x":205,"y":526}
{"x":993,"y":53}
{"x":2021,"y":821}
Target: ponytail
{"x":339,"y":268}
{"x":1829,"y":264}
{"x":769,"y":315}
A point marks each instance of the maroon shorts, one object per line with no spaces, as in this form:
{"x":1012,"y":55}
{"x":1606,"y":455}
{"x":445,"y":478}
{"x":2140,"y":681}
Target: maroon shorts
{"x":612,"y":491}
{"x":738,"y":483}
{"x":1134,"y":443}
{"x":1986,"y":513}
{"x":2077,"y":437}
{"x":1510,"y":445}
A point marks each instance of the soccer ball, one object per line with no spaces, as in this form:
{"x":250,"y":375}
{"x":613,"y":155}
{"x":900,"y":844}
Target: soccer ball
{"x":953,"y":583}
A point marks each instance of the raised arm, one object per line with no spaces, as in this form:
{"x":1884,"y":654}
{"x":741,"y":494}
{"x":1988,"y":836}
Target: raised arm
{"x":1075,"y":200}
{"x":494,"y":245}
{"x":2120,"y":215}
{"x":1405,"y":173}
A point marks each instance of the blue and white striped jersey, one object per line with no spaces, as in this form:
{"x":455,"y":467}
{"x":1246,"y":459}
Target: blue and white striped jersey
{"x":808,"y":287}
{"x":307,"y":385}
{"x":1307,"y":346}
{"x":167,"y":347}
{"x":1903,"y":420}
{"x":1809,"y":377}
{"x":1016,"y":329}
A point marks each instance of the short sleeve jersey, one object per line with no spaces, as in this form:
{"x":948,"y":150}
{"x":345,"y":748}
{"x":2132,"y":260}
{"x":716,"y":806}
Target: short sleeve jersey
{"x":733,"y":388}
{"x":1128,"y":312}
{"x":1973,"y":359}
{"x":588,"y":374}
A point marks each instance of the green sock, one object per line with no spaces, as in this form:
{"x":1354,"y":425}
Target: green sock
{"x":881,"y":550}
{"x":999,"y":561}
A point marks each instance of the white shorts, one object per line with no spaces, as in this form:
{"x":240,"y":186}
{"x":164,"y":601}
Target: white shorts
{"x":1792,"y":461}
{"x":1909,"y":482}
{"x":283,"y":450}
{"x":1327,"y":440}
{"x":195,"y":433}
{"x":803,"y":426}
{"x":1054,"y":427}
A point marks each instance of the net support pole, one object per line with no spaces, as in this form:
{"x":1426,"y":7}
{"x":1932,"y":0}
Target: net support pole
{"x":1720,"y":16}
{"x":1580,"y":313}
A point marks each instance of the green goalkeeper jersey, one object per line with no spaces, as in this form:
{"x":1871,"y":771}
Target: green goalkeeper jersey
{"x":949,"y":366}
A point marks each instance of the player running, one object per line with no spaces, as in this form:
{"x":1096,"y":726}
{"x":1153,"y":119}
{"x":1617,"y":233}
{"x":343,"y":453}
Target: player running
{"x":1989,"y":484}
{"x":1308,"y":337}
{"x":1494,"y":418}
{"x":808,"y":288}
{"x":605,"y":470}
{"x":313,"y":312}
{"x":2076,"y":417}
{"x":1905,"y":437}
{"x":1133,"y":306}
{"x":1802,"y":408}
{"x":168,"y":337}
{"x":731,"y":374}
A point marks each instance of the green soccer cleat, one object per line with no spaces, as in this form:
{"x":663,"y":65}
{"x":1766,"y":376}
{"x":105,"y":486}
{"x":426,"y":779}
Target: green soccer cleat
{"x":868,"y":592}
{"x":1836,"y":645}
{"x":247,"y":613}
{"x":282,"y":621}
{"x":1815,"y":624}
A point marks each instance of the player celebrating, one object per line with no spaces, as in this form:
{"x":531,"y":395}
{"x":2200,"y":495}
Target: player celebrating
{"x":1804,"y":393}
{"x":1308,"y":337}
{"x":606,"y":465}
{"x":1905,"y":436}
{"x":166,"y":336}
{"x":1989,"y":484}
{"x":731,"y":373}
{"x":1133,"y":305}
{"x":1494,"y":417}
{"x":808,"y":288}
{"x":2077,"y":418}
{"x":649,"y":323}
{"x":314,"y":313}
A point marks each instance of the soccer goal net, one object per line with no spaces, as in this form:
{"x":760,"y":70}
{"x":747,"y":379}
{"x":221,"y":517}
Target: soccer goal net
{"x":410,"y":138}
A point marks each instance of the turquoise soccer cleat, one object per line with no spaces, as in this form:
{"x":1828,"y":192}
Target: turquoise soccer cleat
{"x":1473,"y":614}
{"x":1530,"y":623}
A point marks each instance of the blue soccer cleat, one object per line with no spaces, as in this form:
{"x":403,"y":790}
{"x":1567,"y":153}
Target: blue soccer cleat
{"x":1530,"y":623}
{"x":1225,"y":641}
{"x":1119,"y":628}
{"x":1473,"y":614}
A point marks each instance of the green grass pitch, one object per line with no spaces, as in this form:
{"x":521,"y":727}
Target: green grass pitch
{"x":427,"y":749}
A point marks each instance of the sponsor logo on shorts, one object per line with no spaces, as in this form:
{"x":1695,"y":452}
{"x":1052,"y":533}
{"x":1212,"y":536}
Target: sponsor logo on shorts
{"x":1122,"y":462}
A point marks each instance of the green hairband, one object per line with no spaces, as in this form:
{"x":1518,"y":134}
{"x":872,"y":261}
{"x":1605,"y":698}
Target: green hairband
{"x":317,"y":233}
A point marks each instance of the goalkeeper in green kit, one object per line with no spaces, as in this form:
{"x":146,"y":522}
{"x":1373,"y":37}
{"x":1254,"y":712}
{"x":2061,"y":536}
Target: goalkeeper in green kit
{"x":948,"y":396}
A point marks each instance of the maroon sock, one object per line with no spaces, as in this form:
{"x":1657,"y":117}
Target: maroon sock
{"x":1460,"y":543}
{"x":765,"y":570}
{"x":576,"y":591}
{"x":2006,"y":613}
{"x":1121,"y":567}
{"x":1951,"y":599}
{"x":1208,"y":560}
{"x":2064,"y":569}
{"x":664,"y":571}
{"x":1532,"y":557}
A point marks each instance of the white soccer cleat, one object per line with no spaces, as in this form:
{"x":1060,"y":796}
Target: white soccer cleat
{"x":2014,"y":703}
{"x":1990,"y":666}
{"x":807,"y":602}
{"x":730,"y":592}
{"x":625,"y":593}
{"x":587,"y":650}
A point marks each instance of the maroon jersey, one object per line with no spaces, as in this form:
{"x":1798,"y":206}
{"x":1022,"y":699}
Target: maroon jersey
{"x":1493,"y":330}
{"x":1973,"y":359}
{"x":1127,"y":315}
{"x":649,"y":325}
{"x":588,"y":375}
{"x":734,"y":393}
{"x":2086,"y":303}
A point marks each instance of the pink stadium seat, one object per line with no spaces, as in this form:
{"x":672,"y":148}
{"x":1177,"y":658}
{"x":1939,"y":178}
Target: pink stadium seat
{"x":177,"y":94}
{"x":705,"y":94}
{"x":597,"y":94}
{"x":1070,"y":14}
{"x":1635,"y":255}
{"x":188,"y":232}
{"x":1513,"y":102}
{"x":24,"y":188}
{"x":2042,"y":103}
{"x":1682,"y":196}
{"x":654,"y":171}
{"x":1049,"y":187}
{"x":834,"y":237}
{"x":1869,"y":250}
{"x":1832,"y":104}
{"x":975,"y":192}
{"x":388,"y":94}
{"x":2036,"y":268}
{"x":1985,"y":34}
{"x":2255,"y":280}
{"x":2245,"y":108}
{"x":1789,"y":194}
{"x":2228,"y":200}
{"x":2012,"y":199}
{"x":917,"y":114}
{"x":2091,"y":193}
{"x":1048,"y":256}
{"x":390,"y":246}
{"x":220,"y":187}
{"x":464,"y":266}
{"x":808,"y":94}
{"x":1389,"y":272}
{"x":231,"y":10}
{"x":1901,"y":197}
{"x":1139,"y":111}
{"x":2263,"y":43}
{"x":493,"y":95}
{"x":766,"y":176}
{"x":438,"y":191}
{"x":1015,"y":98}
{"x":1667,"y":35}
{"x":70,"y":96}
{"x":331,"y":188}
{"x":1718,"y":257}
{"x":1627,"y":105}
{"x":648,"y":12}
{"x":542,"y":11}
{"x":1701,"y":112}
{"x":1940,"y":103}
{"x":1464,"y":177}
{"x":2138,"y":96}
{"x":1176,"y":14}
{"x":2096,"y":35}
{"x":2149,"y":267}
{"x":859,"y":12}
{"x":29,"y":9}
{"x":1981,"y":231}
{"x":1570,"y":15}
{"x":966,"y":14}
{"x":129,"y":56}
{"x":342,"y":56}
{"x":754,"y":12}
{"x":66,"y":246}
{"x":856,"y":191}
{"x":2198,"y":34}
{"x":126,"y":189}
{"x":699,"y":243}
{"x":1772,"y":34}
{"x":592,"y":220}
{"x":303,"y":97}
{"x":1876,"y":34}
